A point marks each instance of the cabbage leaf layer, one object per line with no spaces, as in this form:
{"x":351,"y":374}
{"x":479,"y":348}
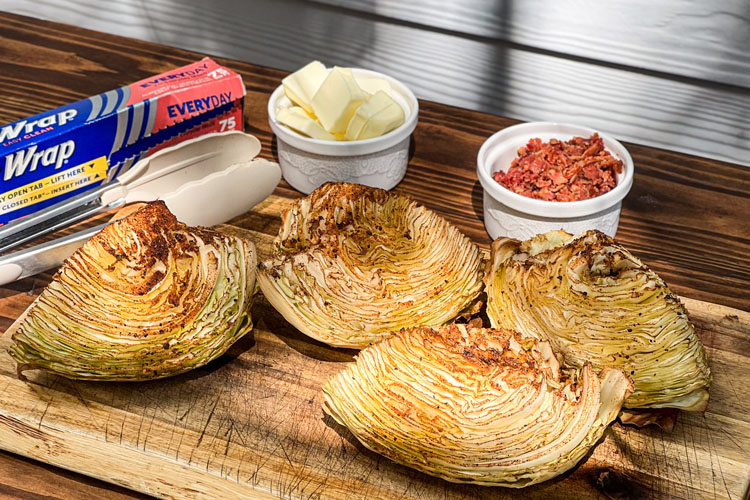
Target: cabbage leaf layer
{"x":353,"y":264}
{"x":477,"y":406}
{"x":147,"y":297}
{"x":594,"y":301}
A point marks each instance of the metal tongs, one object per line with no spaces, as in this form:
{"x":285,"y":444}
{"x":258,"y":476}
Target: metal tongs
{"x":203,"y":181}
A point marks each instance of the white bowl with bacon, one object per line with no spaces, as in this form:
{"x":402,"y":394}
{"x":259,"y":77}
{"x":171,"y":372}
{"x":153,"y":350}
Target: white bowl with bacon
{"x":510,"y":214}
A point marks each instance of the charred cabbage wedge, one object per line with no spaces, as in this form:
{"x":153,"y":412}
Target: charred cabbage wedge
{"x":145,"y":298}
{"x":353,"y":264}
{"x":594,"y":301}
{"x":474,"y":405}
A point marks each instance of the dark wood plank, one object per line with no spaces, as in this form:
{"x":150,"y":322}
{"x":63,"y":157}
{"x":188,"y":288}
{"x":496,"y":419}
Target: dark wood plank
{"x":26,"y":479}
{"x":689,"y":218}
{"x":638,"y":79}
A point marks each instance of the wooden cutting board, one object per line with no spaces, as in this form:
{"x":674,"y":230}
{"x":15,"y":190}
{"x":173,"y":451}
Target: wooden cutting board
{"x":251,"y":425}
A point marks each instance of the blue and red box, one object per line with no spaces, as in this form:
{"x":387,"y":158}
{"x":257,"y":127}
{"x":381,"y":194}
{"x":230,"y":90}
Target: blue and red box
{"x":66,"y":151}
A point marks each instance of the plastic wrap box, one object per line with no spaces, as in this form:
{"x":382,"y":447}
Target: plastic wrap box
{"x":66,"y":151}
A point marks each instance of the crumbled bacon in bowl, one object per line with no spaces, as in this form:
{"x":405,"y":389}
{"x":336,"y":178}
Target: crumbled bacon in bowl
{"x":574,"y":170}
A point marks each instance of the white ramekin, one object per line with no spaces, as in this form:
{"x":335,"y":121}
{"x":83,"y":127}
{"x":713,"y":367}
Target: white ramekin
{"x":509,"y":214}
{"x":308,"y":163}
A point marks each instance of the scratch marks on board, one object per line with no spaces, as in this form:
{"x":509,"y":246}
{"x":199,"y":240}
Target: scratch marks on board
{"x":716,"y":456}
{"x":255,"y":418}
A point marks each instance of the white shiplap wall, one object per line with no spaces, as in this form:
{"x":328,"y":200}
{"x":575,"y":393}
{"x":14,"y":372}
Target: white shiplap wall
{"x":694,"y":38}
{"x":672,"y":74}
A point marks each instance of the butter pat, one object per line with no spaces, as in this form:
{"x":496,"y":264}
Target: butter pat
{"x":371,"y":85}
{"x":337,"y":99}
{"x":296,"y":119}
{"x":378,"y":116}
{"x":301,"y":85}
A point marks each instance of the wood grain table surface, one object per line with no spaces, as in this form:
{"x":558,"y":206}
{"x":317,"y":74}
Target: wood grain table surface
{"x":687,"y":217}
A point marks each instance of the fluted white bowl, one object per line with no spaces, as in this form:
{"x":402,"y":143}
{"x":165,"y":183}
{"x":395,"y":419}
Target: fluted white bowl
{"x":510,"y":214}
{"x":308,"y":163}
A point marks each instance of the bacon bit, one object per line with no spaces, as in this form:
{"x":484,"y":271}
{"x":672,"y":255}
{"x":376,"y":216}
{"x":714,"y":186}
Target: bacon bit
{"x":575,"y":170}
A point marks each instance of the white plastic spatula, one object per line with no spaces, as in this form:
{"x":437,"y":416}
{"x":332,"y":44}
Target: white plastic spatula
{"x":232,"y":183}
{"x":150,"y":178}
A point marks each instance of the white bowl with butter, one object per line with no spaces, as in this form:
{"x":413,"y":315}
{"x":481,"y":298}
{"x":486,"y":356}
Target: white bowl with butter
{"x":307,"y":163}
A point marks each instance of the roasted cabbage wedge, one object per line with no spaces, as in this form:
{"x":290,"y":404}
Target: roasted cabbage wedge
{"x":353,"y":264}
{"x":147,"y":297}
{"x":476,"y":406}
{"x":594,"y":301}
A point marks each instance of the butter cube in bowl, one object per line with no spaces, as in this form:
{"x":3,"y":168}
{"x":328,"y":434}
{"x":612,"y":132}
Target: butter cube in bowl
{"x":342,"y":125}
